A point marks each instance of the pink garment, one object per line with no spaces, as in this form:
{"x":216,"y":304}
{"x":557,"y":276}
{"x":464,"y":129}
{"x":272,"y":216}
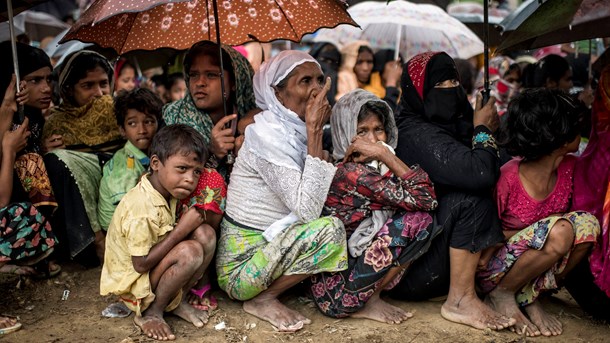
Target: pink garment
{"x":517,"y":209}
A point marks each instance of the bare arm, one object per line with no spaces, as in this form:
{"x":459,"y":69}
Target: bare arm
{"x":12,"y":142}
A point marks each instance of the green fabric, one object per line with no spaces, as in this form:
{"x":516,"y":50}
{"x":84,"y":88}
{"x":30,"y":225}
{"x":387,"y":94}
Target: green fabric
{"x":120,"y":175}
{"x":184,"y":111}
{"x":87,"y":173}
{"x":247,"y":264}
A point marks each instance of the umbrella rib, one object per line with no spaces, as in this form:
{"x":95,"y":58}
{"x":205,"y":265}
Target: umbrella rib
{"x":296,"y":34}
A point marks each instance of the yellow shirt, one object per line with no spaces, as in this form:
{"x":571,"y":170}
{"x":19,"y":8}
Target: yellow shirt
{"x":142,"y":219}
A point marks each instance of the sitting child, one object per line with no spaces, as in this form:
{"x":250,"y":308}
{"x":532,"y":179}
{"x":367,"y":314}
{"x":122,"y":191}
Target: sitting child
{"x":533,"y":194}
{"x":151,"y":261}
{"x":138,"y":113}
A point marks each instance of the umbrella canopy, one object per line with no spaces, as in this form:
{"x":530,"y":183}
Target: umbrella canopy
{"x":18,"y":7}
{"x":37,"y":25}
{"x":539,"y":23}
{"x":128,"y":25}
{"x":471,"y":15}
{"x":413,"y":28}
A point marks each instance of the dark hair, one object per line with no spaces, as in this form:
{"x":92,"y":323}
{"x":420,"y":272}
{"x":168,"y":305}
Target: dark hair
{"x":373,"y":108}
{"x":172,"y":79}
{"x":139,"y":99}
{"x":178,"y":138}
{"x":81,"y":65}
{"x":552,"y":67}
{"x":364,"y":48}
{"x":538,"y":122}
{"x":209,"y":49}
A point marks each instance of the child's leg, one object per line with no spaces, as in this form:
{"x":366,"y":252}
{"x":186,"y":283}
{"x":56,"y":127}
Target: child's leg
{"x":529,"y":265}
{"x":206,"y":236}
{"x":174,"y":271}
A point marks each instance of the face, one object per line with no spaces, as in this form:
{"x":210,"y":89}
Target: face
{"x":94,"y":85}
{"x":178,"y":90}
{"x":126,"y":79}
{"x":204,"y":84}
{"x":564,"y":83}
{"x":371,"y":128}
{"x":364,"y":66}
{"x":39,"y":86}
{"x":139,"y":128}
{"x":305,"y":81}
{"x":178,"y":176}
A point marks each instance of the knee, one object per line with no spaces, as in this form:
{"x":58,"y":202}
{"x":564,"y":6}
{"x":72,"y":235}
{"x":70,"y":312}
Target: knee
{"x":332,"y":230}
{"x":561,"y":238}
{"x":189,"y":253}
{"x":206,"y":236}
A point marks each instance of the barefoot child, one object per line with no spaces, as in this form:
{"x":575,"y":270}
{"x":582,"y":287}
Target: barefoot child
{"x":137,"y":113}
{"x":533,"y":194}
{"x":151,"y":261}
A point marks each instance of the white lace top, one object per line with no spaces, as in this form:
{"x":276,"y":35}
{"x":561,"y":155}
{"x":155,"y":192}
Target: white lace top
{"x":260,"y":192}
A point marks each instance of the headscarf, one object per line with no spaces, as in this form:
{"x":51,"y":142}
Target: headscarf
{"x":344,"y":121}
{"x":68,"y":67}
{"x":447,"y":108}
{"x":592,"y":178}
{"x":184,"y":111}
{"x":347,"y":80}
{"x":278,"y":135}
{"x":329,"y":58}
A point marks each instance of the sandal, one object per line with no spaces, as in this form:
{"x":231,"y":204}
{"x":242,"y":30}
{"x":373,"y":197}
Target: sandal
{"x":206,"y":304}
{"x":11,"y":328}
{"x":44,"y":271}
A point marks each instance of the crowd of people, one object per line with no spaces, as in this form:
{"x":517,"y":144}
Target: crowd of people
{"x":355,"y":174}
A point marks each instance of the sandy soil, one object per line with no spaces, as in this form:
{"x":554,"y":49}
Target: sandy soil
{"x":47,"y":318}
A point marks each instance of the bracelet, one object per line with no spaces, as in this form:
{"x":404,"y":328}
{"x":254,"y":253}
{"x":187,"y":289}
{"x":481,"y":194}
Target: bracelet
{"x":487,"y":140}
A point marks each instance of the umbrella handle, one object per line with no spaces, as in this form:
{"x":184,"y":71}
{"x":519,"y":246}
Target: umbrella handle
{"x":11,"y":26}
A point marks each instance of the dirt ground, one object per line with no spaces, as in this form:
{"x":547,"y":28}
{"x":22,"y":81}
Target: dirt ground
{"x":47,"y":318}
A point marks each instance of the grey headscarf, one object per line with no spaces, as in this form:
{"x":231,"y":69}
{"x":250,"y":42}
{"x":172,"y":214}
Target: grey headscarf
{"x":344,"y":120}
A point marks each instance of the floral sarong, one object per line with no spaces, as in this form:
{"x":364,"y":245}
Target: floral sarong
{"x":33,"y":175}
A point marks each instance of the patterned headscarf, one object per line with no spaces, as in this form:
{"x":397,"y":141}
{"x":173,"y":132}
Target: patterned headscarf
{"x":184,"y":111}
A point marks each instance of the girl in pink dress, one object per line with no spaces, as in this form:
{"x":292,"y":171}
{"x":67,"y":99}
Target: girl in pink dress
{"x":543,"y":240}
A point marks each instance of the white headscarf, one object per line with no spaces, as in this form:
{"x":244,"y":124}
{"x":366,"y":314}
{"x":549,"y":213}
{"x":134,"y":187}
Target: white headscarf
{"x":278,"y":135}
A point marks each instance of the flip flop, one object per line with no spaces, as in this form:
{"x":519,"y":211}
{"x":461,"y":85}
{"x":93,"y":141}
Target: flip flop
{"x":43,"y":270}
{"x":13,"y":328}
{"x":208,"y":304}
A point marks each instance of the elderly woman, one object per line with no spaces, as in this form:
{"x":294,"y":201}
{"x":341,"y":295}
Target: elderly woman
{"x":271,"y":236}
{"x":438,"y":130}
{"x":83,"y":134}
{"x":376,"y":196}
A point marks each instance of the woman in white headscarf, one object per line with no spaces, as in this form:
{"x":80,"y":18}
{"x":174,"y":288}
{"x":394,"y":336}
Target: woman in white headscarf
{"x":272,"y":236}
{"x":382,"y":203}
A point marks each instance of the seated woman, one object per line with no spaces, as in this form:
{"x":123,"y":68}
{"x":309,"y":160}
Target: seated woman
{"x":543,"y":240}
{"x":375,"y":195}
{"x":202,"y":107}
{"x":26,"y":238}
{"x":86,"y":135}
{"x":271,"y":236}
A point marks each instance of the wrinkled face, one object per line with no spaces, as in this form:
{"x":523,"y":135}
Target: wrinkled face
{"x":372,"y":129}
{"x":92,"y":86}
{"x":39,"y":85}
{"x":178,"y":90}
{"x":364,"y":66}
{"x":178,"y":176}
{"x":126,"y":80}
{"x":304,"y":81}
{"x":204,"y":84}
{"x":139,"y":128}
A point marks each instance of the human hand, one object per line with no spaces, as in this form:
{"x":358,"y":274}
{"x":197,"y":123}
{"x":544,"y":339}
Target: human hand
{"x":53,"y":142}
{"x":189,"y":221}
{"x":222,"y":140}
{"x":587,"y":96}
{"x":363,"y":151}
{"x":392,"y":72}
{"x":486,"y":115}
{"x":239,"y":141}
{"x":15,"y":141}
{"x":12,"y":98}
{"x":318,"y":108}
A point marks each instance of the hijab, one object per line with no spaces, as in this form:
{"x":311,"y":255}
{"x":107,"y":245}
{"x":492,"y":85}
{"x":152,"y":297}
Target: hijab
{"x":344,"y":120}
{"x":447,"y":108}
{"x":278,"y":135}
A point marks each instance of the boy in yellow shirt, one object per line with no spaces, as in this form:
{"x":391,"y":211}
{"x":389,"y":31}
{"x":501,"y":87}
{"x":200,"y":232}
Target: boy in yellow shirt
{"x":150,"y":261}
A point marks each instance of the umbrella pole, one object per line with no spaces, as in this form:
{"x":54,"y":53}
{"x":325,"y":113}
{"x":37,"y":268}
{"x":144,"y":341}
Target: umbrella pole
{"x":11,"y":27}
{"x":230,"y":157}
{"x":485,"y":92}
{"x":398,"y":37}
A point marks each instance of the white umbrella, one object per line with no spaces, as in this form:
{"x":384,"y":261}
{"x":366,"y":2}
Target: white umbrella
{"x":36,"y":24}
{"x":413,"y":28}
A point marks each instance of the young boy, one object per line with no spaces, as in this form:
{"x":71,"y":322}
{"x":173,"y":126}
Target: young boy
{"x":138,"y":113}
{"x":150,"y":262}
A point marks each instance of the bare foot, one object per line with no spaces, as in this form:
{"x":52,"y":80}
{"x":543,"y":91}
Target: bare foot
{"x":191,"y":314}
{"x":547,"y":324}
{"x":276,"y":313}
{"x":505,"y":303}
{"x":17,"y":270}
{"x":470,"y":310}
{"x":382,"y":311}
{"x":8,"y":325}
{"x":155,"y":327}
{"x":207,"y":302}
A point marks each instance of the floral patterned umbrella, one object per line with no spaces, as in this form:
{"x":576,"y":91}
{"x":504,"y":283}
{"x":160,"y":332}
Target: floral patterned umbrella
{"x":413,"y":28}
{"x":127,"y":25}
